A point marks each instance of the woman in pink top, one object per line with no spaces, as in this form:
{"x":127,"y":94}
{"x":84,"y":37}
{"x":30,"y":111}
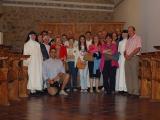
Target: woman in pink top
{"x":93,"y":66}
{"x":108,"y":66}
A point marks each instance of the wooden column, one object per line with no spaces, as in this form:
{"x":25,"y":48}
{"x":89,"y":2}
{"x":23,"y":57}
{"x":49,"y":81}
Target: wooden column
{"x":4,"y":99}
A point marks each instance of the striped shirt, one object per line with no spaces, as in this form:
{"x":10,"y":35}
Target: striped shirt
{"x":132,"y":44}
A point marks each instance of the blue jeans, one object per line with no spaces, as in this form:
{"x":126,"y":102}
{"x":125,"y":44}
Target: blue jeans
{"x":83,"y":77}
{"x":73,"y":73}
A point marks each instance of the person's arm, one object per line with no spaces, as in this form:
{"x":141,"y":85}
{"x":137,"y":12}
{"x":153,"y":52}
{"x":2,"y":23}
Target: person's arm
{"x":27,"y":51}
{"x":58,"y":76}
{"x":132,"y":53}
{"x":51,"y":81}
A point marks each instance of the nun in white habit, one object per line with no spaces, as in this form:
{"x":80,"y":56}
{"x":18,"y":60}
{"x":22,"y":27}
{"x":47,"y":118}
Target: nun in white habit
{"x":120,"y":74}
{"x":34,"y":63}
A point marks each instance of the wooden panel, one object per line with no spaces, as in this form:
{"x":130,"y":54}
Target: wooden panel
{"x":48,"y":27}
{"x":95,"y":28}
{"x":79,"y":28}
{"x":65,"y":28}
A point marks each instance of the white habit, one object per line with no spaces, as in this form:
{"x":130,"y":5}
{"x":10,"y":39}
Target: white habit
{"x":34,"y":64}
{"x":120,"y":75}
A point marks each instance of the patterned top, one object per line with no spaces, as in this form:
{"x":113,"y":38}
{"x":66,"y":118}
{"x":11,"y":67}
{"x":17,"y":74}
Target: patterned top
{"x":133,"y":43}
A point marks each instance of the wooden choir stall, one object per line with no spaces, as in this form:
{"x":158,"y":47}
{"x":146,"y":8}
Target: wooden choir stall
{"x":13,"y":76}
{"x":149,"y":75}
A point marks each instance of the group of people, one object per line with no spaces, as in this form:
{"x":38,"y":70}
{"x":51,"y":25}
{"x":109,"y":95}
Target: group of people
{"x":63,"y":58}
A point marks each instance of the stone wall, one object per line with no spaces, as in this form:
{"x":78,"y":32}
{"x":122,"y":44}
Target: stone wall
{"x":18,"y":21}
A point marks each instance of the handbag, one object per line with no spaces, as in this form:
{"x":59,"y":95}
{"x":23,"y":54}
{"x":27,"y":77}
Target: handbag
{"x":80,"y":64}
{"x":88,"y":57}
{"x":116,"y":56}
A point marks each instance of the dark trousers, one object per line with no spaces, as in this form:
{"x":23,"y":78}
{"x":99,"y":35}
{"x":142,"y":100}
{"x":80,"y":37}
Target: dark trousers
{"x":109,"y":74}
{"x":73,"y":74}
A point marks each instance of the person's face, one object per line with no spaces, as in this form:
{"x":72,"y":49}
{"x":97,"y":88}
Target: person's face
{"x":114,"y":36}
{"x":124,"y":35}
{"x":96,"y":40}
{"x":53,"y":43}
{"x":102,"y":41}
{"x":58,"y":41}
{"x":71,"y":41}
{"x":53,"y":53}
{"x":131,"y":32}
{"x":33,"y":36}
{"x":108,"y":40}
{"x":40,"y":38}
{"x":118,"y":31}
{"x":64,"y":37}
{"x":82,"y":39}
{"x":44,"y":33}
{"x":46,"y":39}
{"x":104,"y":33}
{"x":88,"y":36}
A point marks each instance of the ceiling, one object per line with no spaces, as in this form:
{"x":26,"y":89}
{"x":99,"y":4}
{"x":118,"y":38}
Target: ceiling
{"x":86,"y":5}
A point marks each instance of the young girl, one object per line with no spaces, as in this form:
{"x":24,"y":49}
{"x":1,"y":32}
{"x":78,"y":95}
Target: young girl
{"x":82,"y":49}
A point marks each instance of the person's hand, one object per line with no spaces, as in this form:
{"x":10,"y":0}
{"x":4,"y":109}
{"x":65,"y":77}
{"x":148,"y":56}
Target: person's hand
{"x":70,"y":56}
{"x":50,"y":81}
{"x":128,"y":57}
{"x":94,"y":54}
{"x":107,"y":51}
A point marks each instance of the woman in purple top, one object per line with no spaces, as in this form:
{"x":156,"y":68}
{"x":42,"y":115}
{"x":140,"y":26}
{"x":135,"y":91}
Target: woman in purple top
{"x":108,"y":65}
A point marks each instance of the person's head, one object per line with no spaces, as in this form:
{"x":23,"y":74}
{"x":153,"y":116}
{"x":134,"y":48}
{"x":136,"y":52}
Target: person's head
{"x":71,"y":41}
{"x":64,"y":38}
{"x":114,"y":36}
{"x":88,"y":35}
{"x":46,"y":39}
{"x":118,"y":31}
{"x":58,"y":40}
{"x":131,"y":31}
{"x":52,"y":53}
{"x":82,"y":41}
{"x":43,"y":33}
{"x":96,"y":40}
{"x":40,"y":40}
{"x":31,"y":36}
{"x":104,"y":33}
{"x":108,"y":38}
{"x":100,"y":35}
{"x":102,"y":41}
{"x":52,"y":42}
{"x":125,"y":34}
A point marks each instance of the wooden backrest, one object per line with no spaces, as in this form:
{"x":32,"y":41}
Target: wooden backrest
{"x":79,"y":28}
